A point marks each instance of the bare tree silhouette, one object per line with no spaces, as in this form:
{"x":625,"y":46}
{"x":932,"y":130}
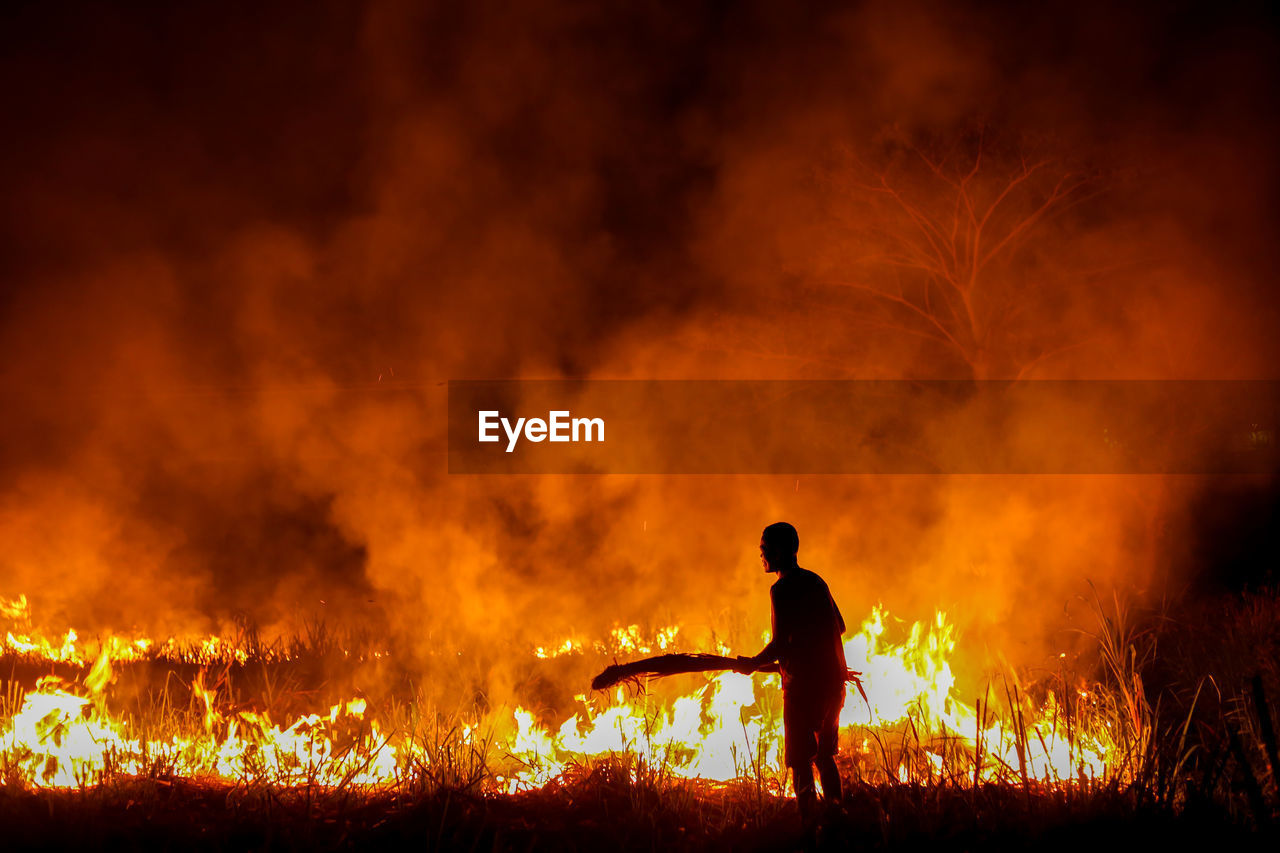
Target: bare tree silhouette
{"x":944,"y":232}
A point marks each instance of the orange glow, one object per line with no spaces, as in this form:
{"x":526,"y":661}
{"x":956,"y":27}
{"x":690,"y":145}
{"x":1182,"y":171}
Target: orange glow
{"x":725,"y":727}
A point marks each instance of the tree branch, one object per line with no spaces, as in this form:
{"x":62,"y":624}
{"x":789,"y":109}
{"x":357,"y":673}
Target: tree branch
{"x":906,"y":303}
{"x":1054,"y":197}
{"x":1022,"y":371}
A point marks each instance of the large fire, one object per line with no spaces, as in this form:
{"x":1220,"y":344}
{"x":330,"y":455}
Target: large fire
{"x":911,"y":727}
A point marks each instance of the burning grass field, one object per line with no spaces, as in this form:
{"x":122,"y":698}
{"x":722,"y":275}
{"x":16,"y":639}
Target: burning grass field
{"x":1165,"y":732}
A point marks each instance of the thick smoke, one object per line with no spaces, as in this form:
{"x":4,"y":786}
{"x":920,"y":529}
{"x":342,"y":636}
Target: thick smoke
{"x":243,"y":254}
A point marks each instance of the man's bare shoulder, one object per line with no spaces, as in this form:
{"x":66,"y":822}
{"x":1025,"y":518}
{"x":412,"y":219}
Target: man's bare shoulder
{"x":796,"y":581}
{"x":808,"y":577}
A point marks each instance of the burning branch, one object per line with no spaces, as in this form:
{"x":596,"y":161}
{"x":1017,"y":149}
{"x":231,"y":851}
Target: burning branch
{"x":678,"y":664}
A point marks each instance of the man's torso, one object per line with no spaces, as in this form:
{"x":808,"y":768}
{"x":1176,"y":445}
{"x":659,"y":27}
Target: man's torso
{"x":810,"y":624}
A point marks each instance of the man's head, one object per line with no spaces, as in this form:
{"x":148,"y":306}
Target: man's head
{"x":779,"y":544}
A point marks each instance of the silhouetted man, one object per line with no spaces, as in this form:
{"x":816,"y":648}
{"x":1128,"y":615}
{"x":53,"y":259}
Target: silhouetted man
{"x":807,"y":627}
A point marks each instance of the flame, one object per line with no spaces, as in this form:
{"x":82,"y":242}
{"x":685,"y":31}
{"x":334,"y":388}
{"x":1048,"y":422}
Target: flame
{"x":629,"y":640}
{"x":569,"y":646}
{"x":733,"y":726}
{"x":912,"y":727}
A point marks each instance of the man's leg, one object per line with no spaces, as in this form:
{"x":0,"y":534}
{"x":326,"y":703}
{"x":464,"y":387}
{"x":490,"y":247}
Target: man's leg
{"x":830,"y":777}
{"x":806,"y":795}
{"x":828,"y":743}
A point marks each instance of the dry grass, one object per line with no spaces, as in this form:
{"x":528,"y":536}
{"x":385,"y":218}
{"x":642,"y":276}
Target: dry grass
{"x":1194,"y":723}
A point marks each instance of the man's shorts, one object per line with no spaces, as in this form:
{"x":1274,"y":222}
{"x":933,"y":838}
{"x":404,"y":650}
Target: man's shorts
{"x":811,"y":720}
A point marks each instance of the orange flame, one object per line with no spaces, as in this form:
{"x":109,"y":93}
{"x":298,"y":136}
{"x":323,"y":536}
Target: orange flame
{"x":912,"y":726}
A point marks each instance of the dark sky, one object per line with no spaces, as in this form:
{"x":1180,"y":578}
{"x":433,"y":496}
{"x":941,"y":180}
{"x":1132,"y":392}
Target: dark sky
{"x":603,"y":128}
